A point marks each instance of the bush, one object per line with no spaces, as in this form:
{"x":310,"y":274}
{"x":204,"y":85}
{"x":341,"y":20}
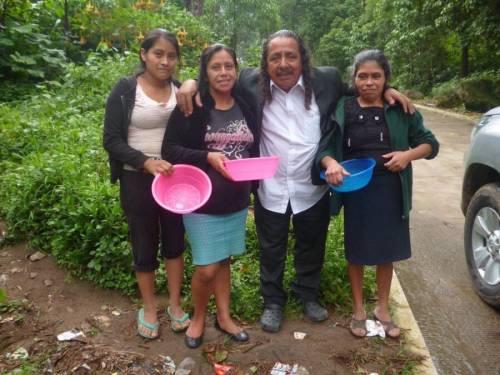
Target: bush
{"x":479,"y":92}
{"x":446,"y":94}
{"x":35,"y":40}
{"x":121,"y":27}
{"x":28,"y":53}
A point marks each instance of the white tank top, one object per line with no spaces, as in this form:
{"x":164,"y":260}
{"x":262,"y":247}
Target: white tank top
{"x":148,"y":123}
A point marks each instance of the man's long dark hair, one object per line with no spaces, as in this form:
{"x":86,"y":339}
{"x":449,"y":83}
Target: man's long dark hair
{"x":305,"y":57}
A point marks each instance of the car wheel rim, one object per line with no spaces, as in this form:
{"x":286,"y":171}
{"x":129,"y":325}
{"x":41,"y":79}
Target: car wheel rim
{"x":486,"y":245}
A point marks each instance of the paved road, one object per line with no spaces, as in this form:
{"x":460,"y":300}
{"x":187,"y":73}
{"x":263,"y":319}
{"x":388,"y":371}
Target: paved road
{"x":462,"y":333}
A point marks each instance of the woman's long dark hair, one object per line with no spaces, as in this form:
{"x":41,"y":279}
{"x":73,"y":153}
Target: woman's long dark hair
{"x":206,"y":56}
{"x":151,"y":38}
{"x":372,"y":55}
{"x":305,"y":57}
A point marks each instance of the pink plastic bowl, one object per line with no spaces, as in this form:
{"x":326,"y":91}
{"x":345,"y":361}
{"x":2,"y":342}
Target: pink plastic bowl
{"x":184,"y":191}
{"x":252,"y":168}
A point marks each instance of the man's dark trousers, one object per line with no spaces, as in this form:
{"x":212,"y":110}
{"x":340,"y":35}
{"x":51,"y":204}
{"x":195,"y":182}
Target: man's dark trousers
{"x":309,"y":228}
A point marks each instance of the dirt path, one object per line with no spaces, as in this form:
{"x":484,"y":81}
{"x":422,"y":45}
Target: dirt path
{"x":55,"y":303}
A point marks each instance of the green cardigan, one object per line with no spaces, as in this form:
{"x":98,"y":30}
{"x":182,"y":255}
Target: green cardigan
{"x":406,"y":131}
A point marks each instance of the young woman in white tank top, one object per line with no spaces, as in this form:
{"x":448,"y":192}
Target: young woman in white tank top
{"x":133,"y":139}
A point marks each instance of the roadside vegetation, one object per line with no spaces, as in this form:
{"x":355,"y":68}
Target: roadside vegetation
{"x":437,"y":48}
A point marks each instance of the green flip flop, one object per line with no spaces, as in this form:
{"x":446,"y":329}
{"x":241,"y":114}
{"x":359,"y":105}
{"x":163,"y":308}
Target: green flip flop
{"x":178,"y":322}
{"x":141,"y":323}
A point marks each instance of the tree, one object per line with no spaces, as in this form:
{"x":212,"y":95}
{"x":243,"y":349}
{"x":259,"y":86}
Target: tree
{"x":312,"y":19}
{"x":242,"y":23}
{"x":194,"y":6}
{"x":474,"y":22}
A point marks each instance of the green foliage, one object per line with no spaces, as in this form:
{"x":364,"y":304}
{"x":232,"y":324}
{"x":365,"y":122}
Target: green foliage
{"x":427,"y":42}
{"x":479,"y":92}
{"x":340,"y":44}
{"x":242,"y":23}
{"x":246,"y":302}
{"x":15,"y":91}
{"x":446,"y":94}
{"x":26,"y":369}
{"x":36,"y":37}
{"x":3,"y":296}
{"x":251,"y":57}
{"x":122,"y":26}
{"x":312,"y":19}
{"x":26,"y":52}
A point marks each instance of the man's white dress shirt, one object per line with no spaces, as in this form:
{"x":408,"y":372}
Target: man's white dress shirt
{"x":292,"y":133}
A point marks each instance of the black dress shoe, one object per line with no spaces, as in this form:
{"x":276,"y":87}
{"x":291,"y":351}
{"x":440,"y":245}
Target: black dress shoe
{"x":193,"y":342}
{"x":241,"y":336}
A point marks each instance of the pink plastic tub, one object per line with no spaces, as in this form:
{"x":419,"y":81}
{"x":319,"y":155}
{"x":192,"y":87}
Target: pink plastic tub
{"x":184,"y":191}
{"x":252,"y":168}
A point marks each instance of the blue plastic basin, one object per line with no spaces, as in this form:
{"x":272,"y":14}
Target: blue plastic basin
{"x":361,"y":171}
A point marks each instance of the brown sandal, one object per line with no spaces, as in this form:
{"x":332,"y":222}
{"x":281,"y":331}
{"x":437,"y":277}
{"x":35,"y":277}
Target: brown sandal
{"x":388,"y":325}
{"x":358,"y":324}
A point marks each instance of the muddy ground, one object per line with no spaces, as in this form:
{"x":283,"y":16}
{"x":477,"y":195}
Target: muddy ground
{"x":46,"y":301}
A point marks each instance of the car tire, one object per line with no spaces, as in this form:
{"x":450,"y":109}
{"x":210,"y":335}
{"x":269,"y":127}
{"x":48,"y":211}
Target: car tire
{"x":482,"y":242}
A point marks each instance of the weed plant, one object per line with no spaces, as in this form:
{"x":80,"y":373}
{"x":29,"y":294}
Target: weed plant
{"x":55,"y":191}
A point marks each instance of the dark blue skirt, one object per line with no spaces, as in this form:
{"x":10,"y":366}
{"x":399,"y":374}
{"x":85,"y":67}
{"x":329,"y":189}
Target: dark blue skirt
{"x":374,"y":229}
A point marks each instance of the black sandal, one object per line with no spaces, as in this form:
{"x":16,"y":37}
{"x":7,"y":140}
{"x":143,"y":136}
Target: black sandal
{"x":388,"y":325}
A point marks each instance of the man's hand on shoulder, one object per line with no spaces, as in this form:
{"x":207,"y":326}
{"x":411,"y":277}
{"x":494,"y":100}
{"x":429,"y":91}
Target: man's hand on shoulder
{"x":185,"y":95}
{"x":392,"y":96}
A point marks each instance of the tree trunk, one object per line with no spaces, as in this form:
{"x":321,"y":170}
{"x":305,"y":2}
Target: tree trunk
{"x":66,"y":18}
{"x":194,"y":6}
{"x":3,"y":13}
{"x":197,"y":8}
{"x":234,"y":35}
{"x":464,"y":66}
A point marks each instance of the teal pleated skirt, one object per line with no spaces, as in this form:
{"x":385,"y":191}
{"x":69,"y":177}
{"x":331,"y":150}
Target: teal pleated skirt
{"x":215,"y":237}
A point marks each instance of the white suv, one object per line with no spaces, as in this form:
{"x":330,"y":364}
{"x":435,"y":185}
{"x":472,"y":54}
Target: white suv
{"x":481,"y":207}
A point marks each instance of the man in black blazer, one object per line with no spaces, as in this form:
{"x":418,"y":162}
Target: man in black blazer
{"x":294,"y":101}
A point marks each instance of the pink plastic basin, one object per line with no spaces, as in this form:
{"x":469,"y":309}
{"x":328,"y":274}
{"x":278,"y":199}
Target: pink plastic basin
{"x":252,"y":168}
{"x":184,"y":191}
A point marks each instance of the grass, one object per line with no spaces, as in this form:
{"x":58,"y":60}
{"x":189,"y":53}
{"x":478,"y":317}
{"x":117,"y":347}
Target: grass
{"x":379,"y":355}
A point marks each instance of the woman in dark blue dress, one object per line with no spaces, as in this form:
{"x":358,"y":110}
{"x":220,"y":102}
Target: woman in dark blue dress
{"x":376,"y":218}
